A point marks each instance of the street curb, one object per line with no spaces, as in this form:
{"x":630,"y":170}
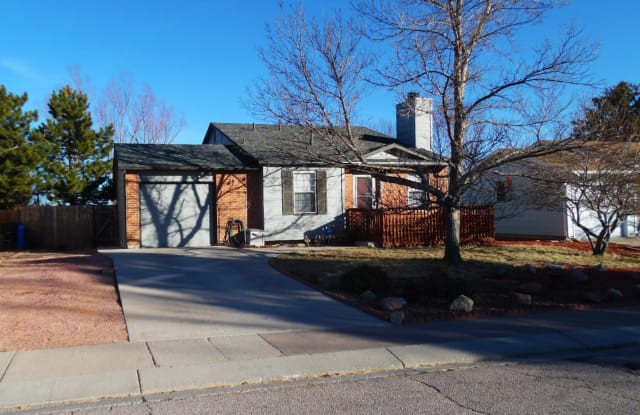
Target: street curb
{"x":155,"y":381}
{"x":25,"y":394}
{"x":247,"y":372}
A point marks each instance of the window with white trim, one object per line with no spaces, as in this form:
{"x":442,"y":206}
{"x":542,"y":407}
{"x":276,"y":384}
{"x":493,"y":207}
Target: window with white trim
{"x":304,"y":192}
{"x":417,"y":198}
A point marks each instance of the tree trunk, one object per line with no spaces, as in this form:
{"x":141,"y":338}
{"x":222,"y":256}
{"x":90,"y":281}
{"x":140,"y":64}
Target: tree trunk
{"x":452,"y":235}
{"x":600,"y":245}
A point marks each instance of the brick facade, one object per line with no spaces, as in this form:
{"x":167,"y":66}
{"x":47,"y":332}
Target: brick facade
{"x":238,"y":196}
{"x":389,"y":195}
{"x":132,"y":209}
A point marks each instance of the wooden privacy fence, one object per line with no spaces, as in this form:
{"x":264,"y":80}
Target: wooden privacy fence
{"x":417,"y":227}
{"x":60,"y":227}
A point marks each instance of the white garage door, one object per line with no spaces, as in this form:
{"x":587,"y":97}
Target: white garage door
{"x":175,"y":214}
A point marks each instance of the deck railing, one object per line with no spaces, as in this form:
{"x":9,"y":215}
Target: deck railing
{"x":417,"y":227}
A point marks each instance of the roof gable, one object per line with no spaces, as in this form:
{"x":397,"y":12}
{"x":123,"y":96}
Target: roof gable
{"x":398,"y":154}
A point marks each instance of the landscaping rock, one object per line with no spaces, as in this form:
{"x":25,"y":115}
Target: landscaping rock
{"x":521,"y":298}
{"x":593,"y":297}
{"x":531,"y":287}
{"x":396,"y":317}
{"x":613,"y":294}
{"x":555,"y":267}
{"x":462,"y":303}
{"x":601,"y":268}
{"x":575,"y":275}
{"x":392,"y":303}
{"x":530,"y":268}
{"x":368,"y":296}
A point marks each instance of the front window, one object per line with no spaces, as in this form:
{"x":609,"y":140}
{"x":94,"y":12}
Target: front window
{"x":503,"y":190}
{"x":304,"y":192}
{"x":417,"y":198}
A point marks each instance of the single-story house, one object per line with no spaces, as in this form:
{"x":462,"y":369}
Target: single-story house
{"x":533,"y":201}
{"x":284,"y":181}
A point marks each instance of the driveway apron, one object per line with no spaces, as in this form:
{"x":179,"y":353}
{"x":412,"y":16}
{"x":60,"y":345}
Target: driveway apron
{"x":211,"y":292}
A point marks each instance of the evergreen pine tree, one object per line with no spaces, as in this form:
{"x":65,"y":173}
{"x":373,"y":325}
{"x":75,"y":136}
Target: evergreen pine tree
{"x":18,"y":158}
{"x":614,"y":116}
{"x":78,"y":166}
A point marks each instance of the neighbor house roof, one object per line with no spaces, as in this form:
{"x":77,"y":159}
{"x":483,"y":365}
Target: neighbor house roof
{"x":271,"y":144}
{"x":179,"y":157}
{"x":593,"y":151}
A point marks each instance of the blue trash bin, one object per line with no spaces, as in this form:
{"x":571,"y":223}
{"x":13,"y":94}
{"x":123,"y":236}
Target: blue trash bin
{"x":20,"y":237}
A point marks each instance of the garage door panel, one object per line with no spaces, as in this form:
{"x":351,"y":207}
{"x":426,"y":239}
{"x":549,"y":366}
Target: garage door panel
{"x":175,"y":214}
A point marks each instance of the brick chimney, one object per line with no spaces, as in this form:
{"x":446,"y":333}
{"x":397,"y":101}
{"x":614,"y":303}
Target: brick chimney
{"x":414,"y":122}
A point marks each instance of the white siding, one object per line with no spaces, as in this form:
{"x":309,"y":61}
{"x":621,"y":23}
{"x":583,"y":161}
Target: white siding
{"x":537,"y":224}
{"x":279,"y":227}
{"x":588,"y":218}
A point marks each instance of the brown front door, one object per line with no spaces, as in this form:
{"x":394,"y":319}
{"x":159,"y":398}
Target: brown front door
{"x":364,"y":192}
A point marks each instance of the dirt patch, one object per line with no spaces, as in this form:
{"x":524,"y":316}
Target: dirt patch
{"x":429,"y":286}
{"x":53,"y":300}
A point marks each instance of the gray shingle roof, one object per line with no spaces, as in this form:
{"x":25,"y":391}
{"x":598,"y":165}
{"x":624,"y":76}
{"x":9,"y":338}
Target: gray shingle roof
{"x":179,"y":157}
{"x":297,"y":145}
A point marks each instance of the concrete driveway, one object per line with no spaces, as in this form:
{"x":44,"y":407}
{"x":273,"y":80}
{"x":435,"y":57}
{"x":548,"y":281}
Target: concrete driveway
{"x":210,"y":292}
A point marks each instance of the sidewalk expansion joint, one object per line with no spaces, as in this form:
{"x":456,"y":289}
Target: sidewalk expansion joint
{"x":140,"y":384}
{"x":271,"y":344}
{"x":153,"y":358}
{"x":396,"y":357}
{"x":6,"y":369}
{"x":225,"y":355}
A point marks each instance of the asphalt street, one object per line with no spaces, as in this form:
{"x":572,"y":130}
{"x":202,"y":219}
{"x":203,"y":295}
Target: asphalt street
{"x":599,"y":382}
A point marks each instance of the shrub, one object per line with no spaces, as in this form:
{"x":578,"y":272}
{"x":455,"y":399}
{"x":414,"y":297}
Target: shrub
{"x":366,"y":277}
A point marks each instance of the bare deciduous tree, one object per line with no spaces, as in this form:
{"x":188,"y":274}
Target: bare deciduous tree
{"x":596,"y":185}
{"x":137,"y":116}
{"x":316,"y":72}
{"x":489,"y":96}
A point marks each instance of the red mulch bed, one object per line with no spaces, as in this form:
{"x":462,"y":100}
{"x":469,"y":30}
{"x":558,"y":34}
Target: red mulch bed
{"x":614,"y":248}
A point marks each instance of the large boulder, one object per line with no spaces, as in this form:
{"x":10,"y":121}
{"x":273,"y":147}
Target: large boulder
{"x":613,"y":294}
{"x":462,"y":303}
{"x":521,"y":298}
{"x":368,"y":297}
{"x":392,"y":303}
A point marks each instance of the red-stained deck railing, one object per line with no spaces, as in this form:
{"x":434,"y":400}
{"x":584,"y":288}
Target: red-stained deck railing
{"x":418,"y":227}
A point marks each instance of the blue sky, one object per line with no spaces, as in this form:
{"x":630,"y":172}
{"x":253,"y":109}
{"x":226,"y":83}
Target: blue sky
{"x":200,"y":56}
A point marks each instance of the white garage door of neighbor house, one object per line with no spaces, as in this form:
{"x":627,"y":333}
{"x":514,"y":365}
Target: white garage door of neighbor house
{"x":175,"y":214}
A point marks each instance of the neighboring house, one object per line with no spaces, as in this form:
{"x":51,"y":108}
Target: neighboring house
{"x":282,"y":180}
{"x":529,"y":206}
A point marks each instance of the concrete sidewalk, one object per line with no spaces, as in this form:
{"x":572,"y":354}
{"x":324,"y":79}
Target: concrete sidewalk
{"x":138,"y":369}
